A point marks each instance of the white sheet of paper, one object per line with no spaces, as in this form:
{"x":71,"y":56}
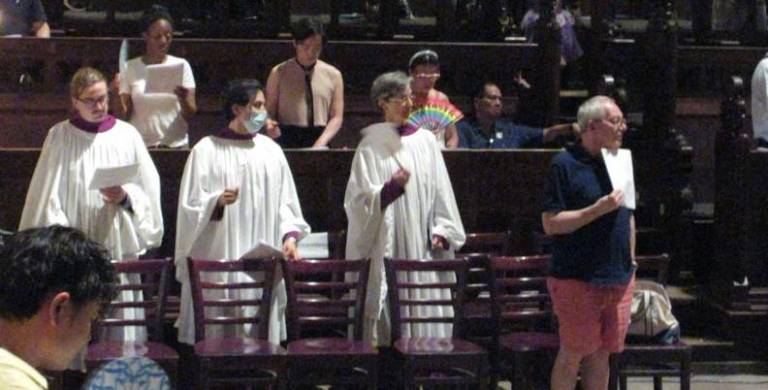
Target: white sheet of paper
{"x":113,"y":176}
{"x":263,"y":251}
{"x":314,"y":246}
{"x":621,"y":173}
{"x":162,"y":78}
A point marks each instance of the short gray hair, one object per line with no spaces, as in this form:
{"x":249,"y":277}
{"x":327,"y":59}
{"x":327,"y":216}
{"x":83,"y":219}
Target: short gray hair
{"x":592,"y":109}
{"x":388,"y":85}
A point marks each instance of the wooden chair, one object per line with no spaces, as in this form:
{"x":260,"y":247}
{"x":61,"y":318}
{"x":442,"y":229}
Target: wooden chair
{"x":246,"y":360}
{"x":652,"y":360}
{"x":150,"y":279}
{"x":429,"y":361}
{"x":494,"y":243}
{"x":336,"y":304}
{"x":522,"y":312}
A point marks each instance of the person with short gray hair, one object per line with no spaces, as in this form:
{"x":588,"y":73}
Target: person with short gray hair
{"x":398,"y":184}
{"x":591,"y":274}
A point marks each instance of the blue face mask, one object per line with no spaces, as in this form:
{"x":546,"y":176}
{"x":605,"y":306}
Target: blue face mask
{"x":255,"y":122}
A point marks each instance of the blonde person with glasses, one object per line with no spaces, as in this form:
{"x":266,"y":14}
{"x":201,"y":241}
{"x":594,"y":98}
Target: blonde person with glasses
{"x":399,"y":203}
{"x":123,"y":216}
{"x":424,"y":68}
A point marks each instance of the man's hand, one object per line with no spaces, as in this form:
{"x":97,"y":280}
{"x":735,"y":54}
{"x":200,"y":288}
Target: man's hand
{"x":289,"y":249}
{"x":437,"y":243}
{"x":228,"y":197}
{"x":610,"y":202}
{"x":114,"y":195}
{"x":401,"y":177}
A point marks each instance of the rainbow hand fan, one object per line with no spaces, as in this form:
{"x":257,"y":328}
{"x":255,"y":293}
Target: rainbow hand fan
{"x":435,"y":115}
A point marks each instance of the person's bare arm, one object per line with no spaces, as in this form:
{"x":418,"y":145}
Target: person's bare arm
{"x":632,"y":237}
{"x":124,"y":107}
{"x":451,"y":137}
{"x":41,"y":29}
{"x":187,"y":101}
{"x":336,"y":115}
{"x":550,"y":133}
{"x":272,"y":94}
{"x":566,"y":222}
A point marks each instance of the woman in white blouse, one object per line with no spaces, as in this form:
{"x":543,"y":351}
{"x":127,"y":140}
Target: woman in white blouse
{"x":160,"y":116}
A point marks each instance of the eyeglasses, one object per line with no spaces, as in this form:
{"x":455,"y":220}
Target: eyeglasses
{"x":426,"y":76}
{"x":616,"y":121}
{"x":93,"y":102}
{"x":402,"y":99}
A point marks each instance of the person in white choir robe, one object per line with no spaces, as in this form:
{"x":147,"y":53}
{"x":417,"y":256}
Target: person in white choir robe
{"x":237,"y":191}
{"x":125,"y":219}
{"x":400,"y":204}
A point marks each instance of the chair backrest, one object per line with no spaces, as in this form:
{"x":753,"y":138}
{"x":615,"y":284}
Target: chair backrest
{"x":494,"y":243}
{"x":519,"y":295}
{"x":653,"y":267}
{"x":219,"y":269}
{"x":142,"y":285}
{"x":411,"y":283}
{"x":325,"y":295}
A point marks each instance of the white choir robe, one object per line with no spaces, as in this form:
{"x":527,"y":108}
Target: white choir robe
{"x":404,"y":228}
{"x":59,"y":194}
{"x":267,"y":208}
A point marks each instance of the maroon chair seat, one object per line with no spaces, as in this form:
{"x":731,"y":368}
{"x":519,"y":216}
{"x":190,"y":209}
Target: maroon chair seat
{"x":327,"y":297}
{"x":318,"y":347}
{"x":529,"y":341}
{"x":151,"y":278}
{"x":246,"y":361}
{"x":432,"y":361}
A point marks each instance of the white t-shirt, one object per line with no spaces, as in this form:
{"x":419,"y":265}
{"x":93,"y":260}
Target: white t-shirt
{"x":157,"y":116}
{"x":760,"y":100}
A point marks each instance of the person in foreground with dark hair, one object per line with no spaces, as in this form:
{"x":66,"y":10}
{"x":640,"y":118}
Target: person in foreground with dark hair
{"x":305,"y":94}
{"x":160,"y":118}
{"x":54,"y":283}
{"x":237,"y":191}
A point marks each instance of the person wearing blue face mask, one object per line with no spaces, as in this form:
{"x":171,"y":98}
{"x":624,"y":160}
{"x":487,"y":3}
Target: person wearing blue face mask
{"x":237,"y":191}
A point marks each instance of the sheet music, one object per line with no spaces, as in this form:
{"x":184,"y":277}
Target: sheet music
{"x":620,"y":170}
{"x":163,"y":78}
{"x":314,"y":246}
{"x":113,"y":176}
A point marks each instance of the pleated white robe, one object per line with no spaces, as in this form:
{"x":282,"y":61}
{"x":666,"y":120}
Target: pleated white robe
{"x":59,"y":194}
{"x":404,"y":228}
{"x":266,"y":210}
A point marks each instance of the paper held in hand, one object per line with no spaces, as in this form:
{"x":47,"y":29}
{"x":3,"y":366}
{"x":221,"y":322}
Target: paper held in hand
{"x":314,"y":246}
{"x":164,"y":78}
{"x":619,"y":165}
{"x":263,"y":251}
{"x":113,"y":176}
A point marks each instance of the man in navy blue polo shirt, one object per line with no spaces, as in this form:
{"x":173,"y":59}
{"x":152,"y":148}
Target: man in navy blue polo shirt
{"x":592,"y":269}
{"x":22,"y":18}
{"x":485,"y":129}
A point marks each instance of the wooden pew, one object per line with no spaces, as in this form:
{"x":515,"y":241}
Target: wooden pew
{"x":495,"y":190}
{"x":51,"y":62}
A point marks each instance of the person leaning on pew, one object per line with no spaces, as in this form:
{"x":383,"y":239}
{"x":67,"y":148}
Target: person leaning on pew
{"x":304,"y":93}
{"x":485,"y":129}
{"x":54,"y":283}
{"x":424,"y":69}
{"x":236,"y":192}
{"x":399,"y":203}
{"x":591,"y":276}
{"x":160,"y":118}
{"x":20,"y":18}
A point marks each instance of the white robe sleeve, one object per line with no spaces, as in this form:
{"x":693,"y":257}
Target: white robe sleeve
{"x":147,"y":216}
{"x":446,"y":220}
{"x":42,"y":206}
{"x":290,"y":217}
{"x":196,"y":205}
{"x":362,"y":204}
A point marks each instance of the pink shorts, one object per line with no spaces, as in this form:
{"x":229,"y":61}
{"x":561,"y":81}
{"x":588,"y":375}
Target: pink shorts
{"x":591,"y":317}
